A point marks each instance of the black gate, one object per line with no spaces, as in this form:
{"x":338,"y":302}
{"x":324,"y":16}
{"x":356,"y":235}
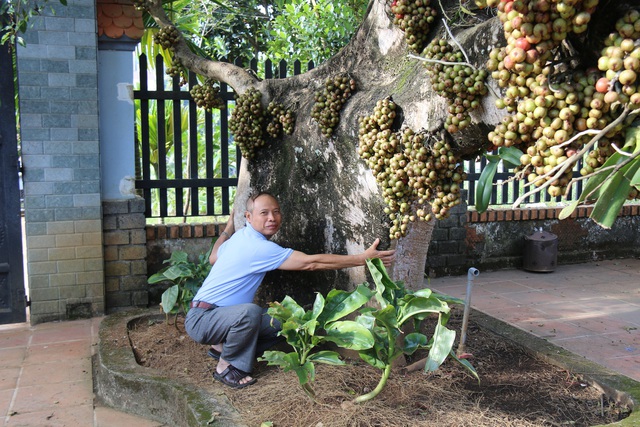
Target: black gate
{"x":12,"y":295}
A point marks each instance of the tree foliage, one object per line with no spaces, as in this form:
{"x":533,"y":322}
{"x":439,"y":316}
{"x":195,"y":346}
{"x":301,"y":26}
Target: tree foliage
{"x":15,"y":16}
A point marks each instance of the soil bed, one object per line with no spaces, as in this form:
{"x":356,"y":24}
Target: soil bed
{"x":516,"y":389}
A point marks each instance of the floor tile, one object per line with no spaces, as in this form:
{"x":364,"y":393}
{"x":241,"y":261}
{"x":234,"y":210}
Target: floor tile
{"x":56,"y":372}
{"x":12,"y":357}
{"x":76,"y":416}
{"x":6,"y":397}
{"x":61,"y":334}
{"x":42,"y":397}
{"x":9,"y":378}
{"x":60,"y":351}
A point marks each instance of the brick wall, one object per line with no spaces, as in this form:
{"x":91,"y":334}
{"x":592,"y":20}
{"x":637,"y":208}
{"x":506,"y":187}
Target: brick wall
{"x":59,"y":136}
{"x":163,"y":239}
{"x":494,"y":240}
{"x":125,"y":254}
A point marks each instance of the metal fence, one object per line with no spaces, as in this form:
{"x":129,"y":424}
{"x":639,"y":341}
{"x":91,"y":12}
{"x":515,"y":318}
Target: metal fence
{"x":506,"y":191}
{"x":187,"y":160}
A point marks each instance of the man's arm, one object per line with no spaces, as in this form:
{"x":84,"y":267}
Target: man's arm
{"x":229,"y":229}
{"x":301,"y":261}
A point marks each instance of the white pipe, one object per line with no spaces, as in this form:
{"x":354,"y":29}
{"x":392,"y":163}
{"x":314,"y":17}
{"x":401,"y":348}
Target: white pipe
{"x":473,"y":272}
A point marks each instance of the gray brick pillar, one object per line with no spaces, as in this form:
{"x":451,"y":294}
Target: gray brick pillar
{"x":58,"y":92}
{"x":125,"y":254}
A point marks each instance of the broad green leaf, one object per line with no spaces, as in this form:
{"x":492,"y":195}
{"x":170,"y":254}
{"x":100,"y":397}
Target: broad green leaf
{"x":612,"y":197}
{"x":384,"y":285}
{"x":387,"y":317}
{"x":484,"y":184}
{"x":418,"y":305}
{"x":510,"y":156}
{"x":290,"y":362}
{"x":341,"y":303}
{"x":169,"y":298}
{"x":177,"y":257}
{"x":326,"y":357}
{"x":177,"y":271}
{"x":370,"y":356}
{"x":568,"y":210}
{"x":350,"y":334}
{"x":414,"y":341}
{"x":443,"y":339}
{"x":291,"y":305}
{"x":448,"y":298}
{"x":426,"y":293}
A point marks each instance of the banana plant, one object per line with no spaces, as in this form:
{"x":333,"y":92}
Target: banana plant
{"x":397,"y":307}
{"x":304,"y":330}
{"x":186,"y":276}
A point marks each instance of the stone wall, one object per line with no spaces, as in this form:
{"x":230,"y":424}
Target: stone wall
{"x":57,"y":74}
{"x":494,"y":240}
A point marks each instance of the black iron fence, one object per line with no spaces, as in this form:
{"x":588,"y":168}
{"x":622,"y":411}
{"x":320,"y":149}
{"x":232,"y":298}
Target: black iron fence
{"x":507,"y":190}
{"x":188,"y":162}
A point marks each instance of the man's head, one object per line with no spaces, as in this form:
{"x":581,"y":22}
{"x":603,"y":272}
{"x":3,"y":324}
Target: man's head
{"x":263,"y":213}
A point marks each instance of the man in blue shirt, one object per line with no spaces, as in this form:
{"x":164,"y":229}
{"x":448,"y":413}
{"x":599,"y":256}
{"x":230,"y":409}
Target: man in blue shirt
{"x":222,"y":312}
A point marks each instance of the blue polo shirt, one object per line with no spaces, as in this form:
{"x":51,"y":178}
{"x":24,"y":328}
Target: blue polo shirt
{"x":242,"y":263}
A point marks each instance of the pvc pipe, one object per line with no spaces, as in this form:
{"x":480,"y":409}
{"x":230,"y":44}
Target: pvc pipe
{"x":473,"y":272}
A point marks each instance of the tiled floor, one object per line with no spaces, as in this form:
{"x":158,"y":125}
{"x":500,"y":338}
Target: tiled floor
{"x":45,"y":377}
{"x":591,"y":309}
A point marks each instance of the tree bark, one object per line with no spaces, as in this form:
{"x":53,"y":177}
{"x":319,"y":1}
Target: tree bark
{"x":329,"y":197}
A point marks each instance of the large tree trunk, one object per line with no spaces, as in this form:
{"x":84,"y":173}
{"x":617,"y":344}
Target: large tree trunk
{"x":329,"y":197}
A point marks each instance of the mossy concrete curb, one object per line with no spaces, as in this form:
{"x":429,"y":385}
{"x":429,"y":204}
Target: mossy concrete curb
{"x":121,"y":383}
{"x":623,"y":390}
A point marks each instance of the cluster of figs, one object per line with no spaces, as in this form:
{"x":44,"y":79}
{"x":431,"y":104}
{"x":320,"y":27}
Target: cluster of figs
{"x":555,"y":109}
{"x":207,"y":95}
{"x":413,"y":169}
{"x":414,"y":17}
{"x":330,"y":100}
{"x":461,"y":84}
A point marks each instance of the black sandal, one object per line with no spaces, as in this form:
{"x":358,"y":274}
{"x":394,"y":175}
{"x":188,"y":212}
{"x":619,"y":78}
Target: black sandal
{"x":214,"y":353}
{"x":232,"y":376}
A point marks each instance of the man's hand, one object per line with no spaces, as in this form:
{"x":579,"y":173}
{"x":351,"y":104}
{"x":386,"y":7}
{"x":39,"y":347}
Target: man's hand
{"x":387,"y":257}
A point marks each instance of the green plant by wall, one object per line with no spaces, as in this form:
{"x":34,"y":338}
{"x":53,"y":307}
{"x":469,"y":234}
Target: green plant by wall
{"x":186,"y":276}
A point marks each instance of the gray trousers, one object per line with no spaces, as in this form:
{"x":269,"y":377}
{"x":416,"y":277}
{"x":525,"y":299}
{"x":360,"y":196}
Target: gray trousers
{"x":244,"y":330}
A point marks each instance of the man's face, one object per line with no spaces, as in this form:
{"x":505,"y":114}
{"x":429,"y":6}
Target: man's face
{"x":265,"y":217}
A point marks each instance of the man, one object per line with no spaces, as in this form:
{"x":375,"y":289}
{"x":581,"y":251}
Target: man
{"x":222,"y":312}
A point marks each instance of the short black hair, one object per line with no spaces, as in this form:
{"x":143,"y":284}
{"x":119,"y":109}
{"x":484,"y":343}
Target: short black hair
{"x":252,"y":198}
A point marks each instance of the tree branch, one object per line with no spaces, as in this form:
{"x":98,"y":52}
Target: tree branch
{"x":236,"y":77}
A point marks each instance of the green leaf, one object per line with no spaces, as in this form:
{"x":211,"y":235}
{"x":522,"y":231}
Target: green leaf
{"x":568,"y":210}
{"x":326,"y":357}
{"x":443,"y":339}
{"x":466,"y":364}
{"x":418,"y":305}
{"x":385,"y":287}
{"x":350,"y":334}
{"x":510,"y":156}
{"x":484,"y":184}
{"x":341,"y":303}
{"x":179,"y":271}
{"x":414,"y":341}
{"x":169,"y":298}
{"x":177,"y":257}
{"x":371,"y":357}
{"x":613,"y":195}
{"x":387,"y":317}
